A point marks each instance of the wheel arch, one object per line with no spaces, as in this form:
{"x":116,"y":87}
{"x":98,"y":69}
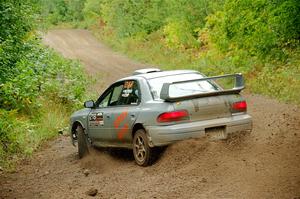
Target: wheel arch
{"x":136,"y":127}
{"x":73,"y":129}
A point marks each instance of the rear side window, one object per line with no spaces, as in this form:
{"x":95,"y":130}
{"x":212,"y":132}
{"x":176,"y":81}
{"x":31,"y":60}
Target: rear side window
{"x":182,"y":89}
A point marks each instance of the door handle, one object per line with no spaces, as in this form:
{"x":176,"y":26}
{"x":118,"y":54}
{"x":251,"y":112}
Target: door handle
{"x":107,"y":116}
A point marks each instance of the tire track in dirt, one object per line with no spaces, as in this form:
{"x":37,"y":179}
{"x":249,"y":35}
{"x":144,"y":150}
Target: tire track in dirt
{"x":264,"y":164}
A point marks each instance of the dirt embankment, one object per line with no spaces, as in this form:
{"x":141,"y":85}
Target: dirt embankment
{"x":264,"y":164}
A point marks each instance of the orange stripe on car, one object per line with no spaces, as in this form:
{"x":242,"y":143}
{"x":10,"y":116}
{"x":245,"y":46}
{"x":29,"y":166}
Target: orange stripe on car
{"x":120,"y":119}
{"x":122,"y":131}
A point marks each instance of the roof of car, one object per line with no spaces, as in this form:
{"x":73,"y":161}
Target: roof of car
{"x":157,"y":74}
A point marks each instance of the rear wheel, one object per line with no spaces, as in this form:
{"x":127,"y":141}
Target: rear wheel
{"x":143,"y":154}
{"x":83,"y":145}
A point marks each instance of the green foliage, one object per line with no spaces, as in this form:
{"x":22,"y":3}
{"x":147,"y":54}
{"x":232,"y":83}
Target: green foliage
{"x":276,"y":79}
{"x":178,"y":34}
{"x":57,"y":11}
{"x":28,"y":69}
{"x":281,"y":81}
{"x":92,"y":11}
{"x":42,"y":72}
{"x":8,"y":136}
{"x":259,"y":28}
{"x":262,"y":27}
{"x":193,"y":12}
{"x":38,"y":87}
{"x":259,"y":38}
{"x":20,"y":136}
{"x":129,"y":18}
{"x":8,"y":144}
{"x":15,"y":23}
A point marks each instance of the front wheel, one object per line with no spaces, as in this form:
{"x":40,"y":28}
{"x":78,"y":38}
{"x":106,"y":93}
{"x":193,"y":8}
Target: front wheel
{"x":143,"y":154}
{"x":83,"y":145}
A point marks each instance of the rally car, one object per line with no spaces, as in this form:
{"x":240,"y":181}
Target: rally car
{"x":154,"y":108}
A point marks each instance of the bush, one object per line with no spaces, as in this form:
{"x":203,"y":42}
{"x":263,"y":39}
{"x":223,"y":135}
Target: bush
{"x":129,"y":18}
{"x":20,"y":135}
{"x":261,"y":27}
{"x":42,"y":72}
{"x":15,"y":23}
{"x":57,"y":11}
{"x":10,"y":132}
{"x":38,"y":87}
{"x":92,"y":12}
{"x":179,"y":35}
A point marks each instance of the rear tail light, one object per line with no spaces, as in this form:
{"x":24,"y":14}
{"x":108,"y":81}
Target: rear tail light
{"x":239,"y":106}
{"x":173,"y":116}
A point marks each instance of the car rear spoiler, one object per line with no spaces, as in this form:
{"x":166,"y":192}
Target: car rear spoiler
{"x":239,"y":85}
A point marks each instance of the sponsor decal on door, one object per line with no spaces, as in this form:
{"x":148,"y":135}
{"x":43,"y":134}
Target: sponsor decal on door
{"x":96,"y":119}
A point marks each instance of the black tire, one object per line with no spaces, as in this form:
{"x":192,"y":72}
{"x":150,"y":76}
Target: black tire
{"x":83,"y":145}
{"x":142,"y":152}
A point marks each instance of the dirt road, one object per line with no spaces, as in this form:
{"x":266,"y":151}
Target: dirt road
{"x":265,"y":164}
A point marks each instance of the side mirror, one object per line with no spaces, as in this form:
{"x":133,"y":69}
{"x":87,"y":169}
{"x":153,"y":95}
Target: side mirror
{"x":89,"y":104}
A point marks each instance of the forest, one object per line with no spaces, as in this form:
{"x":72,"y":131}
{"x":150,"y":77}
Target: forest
{"x":259,"y":38}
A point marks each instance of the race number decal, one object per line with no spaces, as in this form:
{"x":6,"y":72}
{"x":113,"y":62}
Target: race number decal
{"x":96,"y":119}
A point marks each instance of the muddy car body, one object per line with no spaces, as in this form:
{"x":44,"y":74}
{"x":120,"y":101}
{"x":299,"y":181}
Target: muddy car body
{"x":154,"y":108}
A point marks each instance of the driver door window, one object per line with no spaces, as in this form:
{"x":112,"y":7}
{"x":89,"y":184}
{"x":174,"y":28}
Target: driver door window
{"x":115,"y":95}
{"x":112,"y":96}
{"x":123,"y":93}
{"x":130,"y":94}
{"x":104,"y":102}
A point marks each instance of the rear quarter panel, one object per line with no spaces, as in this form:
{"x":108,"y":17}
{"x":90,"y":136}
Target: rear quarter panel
{"x":149,"y":108}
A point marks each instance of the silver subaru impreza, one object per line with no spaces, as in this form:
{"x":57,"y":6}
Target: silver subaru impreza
{"x":154,"y":108}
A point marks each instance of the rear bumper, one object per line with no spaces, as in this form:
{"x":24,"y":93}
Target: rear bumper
{"x":164,"y":135}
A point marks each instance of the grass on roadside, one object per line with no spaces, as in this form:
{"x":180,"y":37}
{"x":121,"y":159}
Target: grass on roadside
{"x":25,"y":135}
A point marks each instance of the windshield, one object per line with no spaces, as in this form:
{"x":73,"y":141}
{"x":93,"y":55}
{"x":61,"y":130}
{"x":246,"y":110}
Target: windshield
{"x":181,"y":89}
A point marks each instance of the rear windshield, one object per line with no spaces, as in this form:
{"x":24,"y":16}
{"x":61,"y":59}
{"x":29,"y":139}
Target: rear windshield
{"x":181,"y":89}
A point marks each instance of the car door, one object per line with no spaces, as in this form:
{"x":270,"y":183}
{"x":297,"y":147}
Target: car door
{"x":99,"y":120}
{"x":125,"y":113}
